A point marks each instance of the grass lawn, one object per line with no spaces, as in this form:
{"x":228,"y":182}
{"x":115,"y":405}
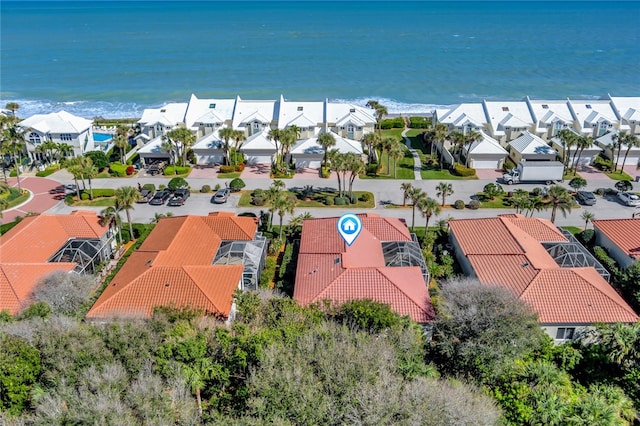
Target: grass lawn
{"x":97,"y":202}
{"x":404,"y":168}
{"x":432,"y":171}
{"x":392,"y":133}
{"x":617,"y":175}
{"x":499,"y":202}
{"x":316,"y":201}
{"x":568,"y":175}
{"x":231,"y":175}
{"x":16,"y":200}
{"x":573,"y":229}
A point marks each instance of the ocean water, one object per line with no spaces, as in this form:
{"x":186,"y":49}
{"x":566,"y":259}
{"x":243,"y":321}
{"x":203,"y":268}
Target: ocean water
{"x":113,"y":59}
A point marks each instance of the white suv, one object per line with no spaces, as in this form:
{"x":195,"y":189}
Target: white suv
{"x":629,"y":199}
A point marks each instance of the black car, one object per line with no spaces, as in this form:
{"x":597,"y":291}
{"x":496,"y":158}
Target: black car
{"x":160,"y":198}
{"x":221,"y":196}
{"x":145,"y":196}
{"x":586,"y":198}
{"x":179,"y":197}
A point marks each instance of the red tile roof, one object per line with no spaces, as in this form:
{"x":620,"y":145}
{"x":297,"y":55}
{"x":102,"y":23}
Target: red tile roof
{"x":516,"y":260}
{"x":174,"y":267}
{"x":625,"y":233}
{"x":27,"y":247}
{"x":328,"y":269}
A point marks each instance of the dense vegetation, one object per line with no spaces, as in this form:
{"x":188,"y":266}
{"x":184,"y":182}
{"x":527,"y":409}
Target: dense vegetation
{"x":483,"y":361}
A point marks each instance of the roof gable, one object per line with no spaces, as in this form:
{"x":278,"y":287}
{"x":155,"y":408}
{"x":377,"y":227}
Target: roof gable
{"x":624,"y":233}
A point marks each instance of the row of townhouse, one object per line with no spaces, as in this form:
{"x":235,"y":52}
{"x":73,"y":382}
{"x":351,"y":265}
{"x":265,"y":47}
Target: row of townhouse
{"x":528,"y":129}
{"x":348,"y":124}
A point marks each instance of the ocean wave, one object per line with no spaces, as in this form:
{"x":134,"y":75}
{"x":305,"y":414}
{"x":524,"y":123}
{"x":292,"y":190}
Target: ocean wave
{"x":104,"y":109}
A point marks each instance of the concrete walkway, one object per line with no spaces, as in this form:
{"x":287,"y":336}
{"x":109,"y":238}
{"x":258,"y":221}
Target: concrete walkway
{"x":417,"y":165}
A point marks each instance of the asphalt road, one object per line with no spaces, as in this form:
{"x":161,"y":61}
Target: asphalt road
{"x":385,"y":191}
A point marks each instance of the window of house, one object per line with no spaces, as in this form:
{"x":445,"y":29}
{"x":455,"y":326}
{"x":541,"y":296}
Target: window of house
{"x":602,"y":128}
{"x":65,"y":137}
{"x":350,"y":130}
{"x":256,"y":126}
{"x":565,"y":333}
{"x":34,"y":138}
{"x":300,"y":108}
{"x":587,"y":106}
{"x":557,"y":126}
{"x":212,"y":106}
{"x":505,"y":109}
{"x":545,"y":106}
{"x":163,"y":110}
{"x":352,"y":110}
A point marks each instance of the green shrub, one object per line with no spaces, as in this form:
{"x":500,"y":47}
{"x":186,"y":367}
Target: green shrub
{"x":99,"y":159}
{"x":329,"y":200}
{"x":365,"y":197}
{"x":68,"y":200}
{"x":268,"y":272}
{"x":46,"y":172}
{"x":217,"y":187}
{"x":372,"y":169}
{"x":84,"y":196}
{"x":176,"y":183}
{"x":103,"y":192}
{"x":325,"y":172}
{"x":461,"y":170}
{"x":149,"y":186}
{"x":176,"y":170}
{"x":606,"y":260}
{"x":459,"y":204}
{"x":133,"y":159}
{"x":392,"y":123}
{"x":275,"y":246}
{"x":599,"y":191}
{"x":508,"y":165}
{"x":227,"y":169}
{"x":586,"y":236}
{"x":236,"y":184}
{"x":419,"y":122}
{"x":13,"y":173}
{"x":474,"y":204}
{"x":341,"y":201}
{"x":205,"y":189}
{"x":118,"y":169}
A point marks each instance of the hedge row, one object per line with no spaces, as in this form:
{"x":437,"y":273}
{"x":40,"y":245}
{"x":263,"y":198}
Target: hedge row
{"x":176,"y":170}
{"x":46,"y":172}
{"x":118,"y":169}
{"x":419,"y":122}
{"x":461,"y":170}
{"x":392,"y":123}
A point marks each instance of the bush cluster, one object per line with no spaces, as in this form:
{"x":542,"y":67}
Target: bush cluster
{"x":341,"y":201}
{"x":149,"y":186}
{"x":474,"y":204}
{"x":130,"y":170}
{"x":236,"y":184}
{"x":176,"y":170}
{"x":392,"y":123}
{"x":104,"y":192}
{"x":259,"y":197}
{"x":227,"y":169}
{"x":205,"y":189}
{"x":239,"y":167}
{"x":419,"y":122}
{"x":461,"y":170}
{"x":329,"y":200}
{"x":365,"y":197}
{"x":459,"y":204}
{"x":117,"y":169}
{"x":325,"y":172}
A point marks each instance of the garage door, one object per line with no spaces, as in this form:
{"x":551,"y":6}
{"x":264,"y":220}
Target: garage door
{"x":485,"y":164}
{"x":205,"y":160}
{"x":258,"y":159}
{"x":308,"y":163}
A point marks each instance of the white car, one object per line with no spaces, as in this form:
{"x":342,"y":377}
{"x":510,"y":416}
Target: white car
{"x":629,"y":199}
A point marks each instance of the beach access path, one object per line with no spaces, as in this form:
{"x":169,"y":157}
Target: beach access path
{"x":417,"y":164}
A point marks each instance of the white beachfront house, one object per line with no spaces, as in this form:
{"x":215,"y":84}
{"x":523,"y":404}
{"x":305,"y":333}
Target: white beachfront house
{"x":308,"y":153}
{"x":156,"y":122}
{"x":348,"y":120}
{"x":593,"y":118}
{"x":308,"y":117}
{"x":530,"y":147}
{"x":205,"y":117}
{"x":59,"y":127}
{"x":507,"y":120}
{"x":463,"y":118}
{"x":253,"y":116}
{"x":485,"y":153}
{"x":627,"y":111}
{"x":259,"y":148}
{"x":550,"y":117}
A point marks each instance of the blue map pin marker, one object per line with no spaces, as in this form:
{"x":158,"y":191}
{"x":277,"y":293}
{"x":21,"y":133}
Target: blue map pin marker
{"x":349,"y":227}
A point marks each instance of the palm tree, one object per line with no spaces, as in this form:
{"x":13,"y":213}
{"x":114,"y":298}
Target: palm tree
{"x":3,"y":205}
{"x":48,"y":148}
{"x":287,"y":140}
{"x":238,"y":138}
{"x":415,"y":196}
{"x":182,"y":139}
{"x":226,"y":134}
{"x":355,"y":166}
{"x":567,"y":139}
{"x":340,"y":166}
{"x":406,"y":189}
{"x":583,"y":143}
{"x":396,"y":152}
{"x":458,"y":140}
{"x":370,"y":141}
{"x":380,"y":112}
{"x":326,"y":141}
{"x":13,"y":107}
{"x":76,"y":171}
{"x":469,"y":139}
{"x":13,"y":142}
{"x":121,"y":141}
{"x":274,"y":135}
{"x":111,"y":215}
{"x":444,"y":189}
{"x":89,"y":171}
{"x":126,"y":197}
{"x":617,"y":141}
{"x":587,"y":216}
{"x":196,"y":372}
{"x":561,"y":200}
{"x":387,"y":145}
{"x":62,"y":150}
{"x":632,"y":141}
{"x":428,"y":207}
{"x":284,"y":203}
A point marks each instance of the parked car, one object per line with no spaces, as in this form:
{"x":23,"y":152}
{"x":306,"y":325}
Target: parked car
{"x":629,"y":199}
{"x":160,"y":198}
{"x":221,"y":196}
{"x":60,"y":189}
{"x":145,"y":196}
{"x":586,"y":198}
{"x":70,"y":189}
{"x":179,"y":197}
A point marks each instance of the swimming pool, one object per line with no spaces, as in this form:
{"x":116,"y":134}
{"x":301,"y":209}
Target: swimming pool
{"x":102,"y":137}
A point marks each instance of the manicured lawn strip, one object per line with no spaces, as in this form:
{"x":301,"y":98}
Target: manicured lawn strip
{"x":245,"y":200}
{"x":568,"y":175}
{"x":404,"y":168}
{"x":392,"y":133}
{"x":573,"y":229}
{"x":97,"y":202}
{"x":499,"y":202}
{"x":17,"y":200}
{"x":413,"y":133}
{"x":618,"y":176}
{"x":433,"y":172}
{"x":232,"y":175}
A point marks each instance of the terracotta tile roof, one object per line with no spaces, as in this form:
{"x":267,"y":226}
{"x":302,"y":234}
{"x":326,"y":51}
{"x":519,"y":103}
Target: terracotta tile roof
{"x":328,"y":269}
{"x":515,"y":259}
{"x":210,"y":288}
{"x":27,"y":247}
{"x":625,"y":233}
{"x":576,"y":295}
{"x":180,"y":252}
{"x":31,"y":232}
{"x":17,"y":282}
